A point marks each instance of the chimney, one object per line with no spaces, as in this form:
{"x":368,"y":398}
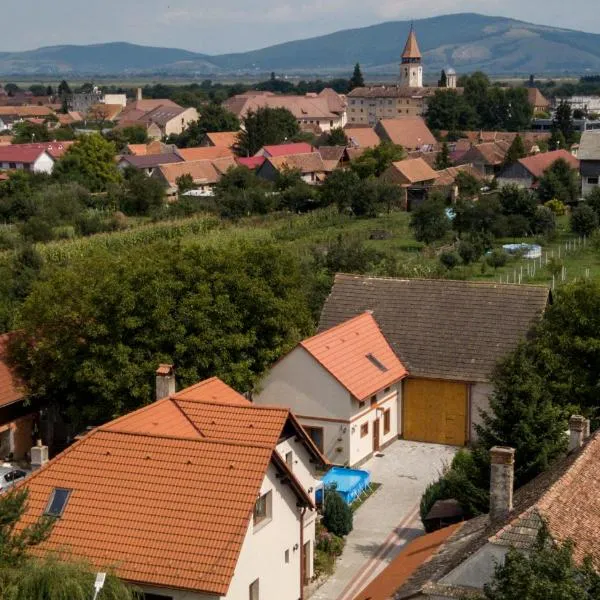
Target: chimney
{"x":577,"y":429}
{"x":138,"y":95}
{"x":588,"y":429}
{"x":501,"y":481}
{"x":39,"y":456}
{"x":165,"y":381}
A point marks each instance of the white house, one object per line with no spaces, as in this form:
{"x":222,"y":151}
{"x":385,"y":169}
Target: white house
{"x":344,"y":386}
{"x":27,"y":157}
{"x":201,"y":495}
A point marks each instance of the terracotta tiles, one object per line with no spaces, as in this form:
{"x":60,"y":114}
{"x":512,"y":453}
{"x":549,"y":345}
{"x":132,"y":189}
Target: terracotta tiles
{"x":538,"y":163}
{"x":212,"y":390}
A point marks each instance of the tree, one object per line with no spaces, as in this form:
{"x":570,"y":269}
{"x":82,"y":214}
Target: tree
{"x":563,"y":122}
{"x":90,"y":162}
{"x":63,"y":89}
{"x":468,"y":185}
{"x":557,"y":141}
{"x":593,"y":200}
{"x":543,"y":221}
{"x":240,"y":192}
{"x":447,"y":109}
{"x":336,"y":137}
{"x":559,"y":182}
{"x":374,"y":161}
{"x":266,"y":126}
{"x":584,"y":220}
{"x":515,"y":151}
{"x":429,"y":220}
{"x":139,"y":194}
{"x":468,"y":252}
{"x":339,"y":188}
{"x":443,"y":81}
{"x":185,"y":183}
{"x":337,"y":515}
{"x":357,"y":80}
{"x":27,"y":132}
{"x":442,"y":160}
{"x":449,"y":260}
{"x":213,"y":118}
{"x":497,"y":258}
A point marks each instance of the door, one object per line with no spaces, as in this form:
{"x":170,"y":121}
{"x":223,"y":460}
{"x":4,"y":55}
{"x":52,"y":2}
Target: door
{"x":435,"y":411}
{"x":376,"y":435}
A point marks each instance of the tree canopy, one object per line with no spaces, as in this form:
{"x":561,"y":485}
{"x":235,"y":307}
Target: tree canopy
{"x":213,"y":118}
{"x":357,"y":79}
{"x":266,"y":126}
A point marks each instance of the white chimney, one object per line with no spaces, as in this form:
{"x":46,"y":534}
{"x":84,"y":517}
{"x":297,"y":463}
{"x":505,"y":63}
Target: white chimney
{"x":165,"y":381}
{"x":139,"y":94}
{"x":39,"y":456}
{"x":577,"y":427}
{"x":502,"y":478}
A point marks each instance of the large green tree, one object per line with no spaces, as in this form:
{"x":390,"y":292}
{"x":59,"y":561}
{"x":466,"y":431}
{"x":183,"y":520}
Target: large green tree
{"x":449,"y":110}
{"x":374,"y":161}
{"x":213,"y":118}
{"x":515,"y":151}
{"x":559,"y":182}
{"x":266,"y":126}
{"x":563,"y":122}
{"x":357,"y":79}
{"x":429,"y":220}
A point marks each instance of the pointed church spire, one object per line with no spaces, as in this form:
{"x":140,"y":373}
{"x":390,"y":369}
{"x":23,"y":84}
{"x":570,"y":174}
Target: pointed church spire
{"x":411,"y":50}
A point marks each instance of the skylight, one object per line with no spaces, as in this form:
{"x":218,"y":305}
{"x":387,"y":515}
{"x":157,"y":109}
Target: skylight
{"x":377,"y":363}
{"x":58,"y":502}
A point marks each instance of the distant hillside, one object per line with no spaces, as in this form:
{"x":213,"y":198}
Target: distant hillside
{"x":464,"y":41}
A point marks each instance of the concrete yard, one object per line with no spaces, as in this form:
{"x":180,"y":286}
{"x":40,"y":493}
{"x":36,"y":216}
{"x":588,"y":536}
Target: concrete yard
{"x":388,"y":519}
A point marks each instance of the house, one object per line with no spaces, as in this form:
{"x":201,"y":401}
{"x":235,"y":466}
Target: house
{"x":361,"y":137}
{"x":446,"y":180}
{"x":104,"y":112}
{"x":411,"y":133}
{"x":526,"y":172}
{"x":27,"y":111}
{"x":448,"y":334}
{"x":251,"y":162}
{"x":222,"y":139}
{"x":205,"y":174}
{"x":149,"y":162}
{"x":285,"y":149}
{"x":333,"y":157}
{"x":18,"y":418}
{"x":538,"y":101}
{"x":565,"y":499}
{"x":487,"y":157}
{"x":589,"y":156}
{"x":54,"y":149}
{"x":34,"y":159}
{"x":200,"y":495}
{"x":311,"y":167}
{"x":344,"y":386}
{"x":205,"y":153}
{"x":154,"y":147}
{"x":414,"y":176}
{"x":324,"y":111}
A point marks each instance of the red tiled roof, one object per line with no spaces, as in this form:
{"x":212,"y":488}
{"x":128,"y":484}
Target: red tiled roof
{"x":10,"y":389}
{"x":166,"y":493}
{"x":54,"y":149}
{"x":204,"y":153}
{"x":305,"y":163}
{"x":357,"y":354}
{"x":538,"y":163}
{"x":414,"y":170}
{"x":362,"y":137}
{"x":252,"y":162}
{"x":286,"y":149}
{"x":16,"y":153}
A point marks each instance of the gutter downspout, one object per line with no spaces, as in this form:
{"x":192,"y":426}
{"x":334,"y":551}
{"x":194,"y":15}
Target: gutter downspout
{"x":302,"y":557}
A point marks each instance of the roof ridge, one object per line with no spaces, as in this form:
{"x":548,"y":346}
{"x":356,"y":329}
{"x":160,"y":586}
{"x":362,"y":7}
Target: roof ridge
{"x":338,"y":326}
{"x":232,"y":405}
{"x":185,"y":416}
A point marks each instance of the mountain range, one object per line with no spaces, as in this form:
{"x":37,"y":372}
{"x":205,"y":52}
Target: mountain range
{"x":464,"y":41}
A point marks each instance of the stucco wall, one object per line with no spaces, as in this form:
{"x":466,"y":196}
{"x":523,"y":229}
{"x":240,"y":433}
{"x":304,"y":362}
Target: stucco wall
{"x":478,"y":569}
{"x":44,"y":164}
{"x":181,"y":122}
{"x":479,"y":395}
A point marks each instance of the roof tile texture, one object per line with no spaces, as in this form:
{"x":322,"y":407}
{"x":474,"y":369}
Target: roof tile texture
{"x":538,"y":163}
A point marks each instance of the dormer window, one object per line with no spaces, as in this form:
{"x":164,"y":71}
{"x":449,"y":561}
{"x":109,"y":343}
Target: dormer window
{"x":58,"y":502}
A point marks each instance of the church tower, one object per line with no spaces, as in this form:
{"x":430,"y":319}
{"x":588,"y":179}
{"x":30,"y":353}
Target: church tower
{"x":411,"y":69}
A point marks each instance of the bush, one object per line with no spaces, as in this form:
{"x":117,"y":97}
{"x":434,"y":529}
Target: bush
{"x":556,"y":206}
{"x":584,"y":220}
{"x":497,"y":258}
{"x":337,"y":515}
{"x":544,"y":221}
{"x":429,"y":220}
{"x":449,"y":260}
{"x":468,"y":252}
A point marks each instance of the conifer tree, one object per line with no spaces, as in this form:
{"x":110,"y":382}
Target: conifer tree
{"x":442,"y":160}
{"x":357,"y":79}
{"x":337,"y":515}
{"x":515,"y":151}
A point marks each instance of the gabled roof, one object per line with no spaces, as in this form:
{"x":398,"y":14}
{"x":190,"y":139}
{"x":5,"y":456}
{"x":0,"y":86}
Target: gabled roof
{"x":490,"y":153}
{"x":285,"y":149}
{"x":11,"y":390}
{"x":165,"y":494}
{"x":252,"y":162}
{"x":305,"y":163}
{"x":54,"y":149}
{"x":205,"y":153}
{"x":26,"y":111}
{"x":150,"y":161}
{"x":362,"y":137}
{"x":448,"y":176}
{"x":223,"y":139}
{"x":202,"y":171}
{"x":440,"y":329}
{"x":589,"y":146}
{"x":414,"y":170}
{"x":302,"y":107}
{"x":15,"y":153}
{"x":409,"y":132}
{"x":357,"y":354}
{"x":411,"y":49}
{"x":538,"y":163}
{"x":161,"y":115}
{"x":536,"y":98}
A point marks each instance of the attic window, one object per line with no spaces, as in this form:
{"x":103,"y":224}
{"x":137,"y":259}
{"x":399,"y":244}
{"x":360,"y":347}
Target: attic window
{"x":377,"y":363}
{"x":58,"y":502}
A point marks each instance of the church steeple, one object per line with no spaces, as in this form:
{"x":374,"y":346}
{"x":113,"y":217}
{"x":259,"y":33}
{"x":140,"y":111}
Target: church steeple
{"x":411,"y":69}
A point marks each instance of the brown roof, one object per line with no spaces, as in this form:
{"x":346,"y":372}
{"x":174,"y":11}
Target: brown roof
{"x":223,"y":139}
{"x":538,"y":163}
{"x":108,"y":112}
{"x":537,"y":99}
{"x":10,"y":388}
{"x":411,"y":49}
{"x":302,"y":107}
{"x":202,"y":171}
{"x":394,"y":91}
{"x":331,"y":155}
{"x":161,"y":115}
{"x":409,"y":132}
{"x":145,"y":106}
{"x":362,"y":137}
{"x":357,"y":355}
{"x":26,"y":111}
{"x":448,"y":176}
{"x":205,"y":153}
{"x":305,"y":163}
{"x":149,"y":161}
{"x":172,"y":488}
{"x":440,"y":329}
{"x":414,"y":170}
{"x":336,"y":102}
{"x":490,"y":153}
{"x":412,"y":556}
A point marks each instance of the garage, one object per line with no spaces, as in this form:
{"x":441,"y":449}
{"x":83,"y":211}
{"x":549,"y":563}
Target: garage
{"x":435,"y":411}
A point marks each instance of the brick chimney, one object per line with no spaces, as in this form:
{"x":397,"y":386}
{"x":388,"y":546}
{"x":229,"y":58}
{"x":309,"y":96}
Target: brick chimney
{"x":39,"y":456}
{"x":501,"y":481}
{"x":165,"y":381}
{"x":577,"y":429}
{"x":138,"y":95}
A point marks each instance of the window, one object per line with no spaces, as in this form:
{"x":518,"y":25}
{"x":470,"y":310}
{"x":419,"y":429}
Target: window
{"x":58,"y":502}
{"x":373,"y":399}
{"x":361,"y":404}
{"x":253,"y":590}
{"x":12,"y":165}
{"x":387,"y":421}
{"x":287,"y":557}
{"x":316,"y":435}
{"x":262,"y":508}
{"x":364,"y":429}
{"x":592,"y":180}
{"x":377,"y":363}
{"x":387,"y":390}
{"x":289,"y":460}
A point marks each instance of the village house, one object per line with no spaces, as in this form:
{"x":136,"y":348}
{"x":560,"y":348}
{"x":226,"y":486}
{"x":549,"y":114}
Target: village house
{"x":222,"y":139}
{"x":414,"y":176}
{"x":310,"y":165}
{"x":526,"y":172}
{"x":285,"y":149}
{"x":538,"y":101}
{"x":147,"y":163}
{"x":589,"y":156}
{"x":34,"y":159}
{"x":344,"y":387}
{"x":446,"y":180}
{"x":456,"y":562}
{"x":361,"y":137}
{"x":411,"y":133}
{"x":205,"y":153}
{"x":487,"y":157}
{"x":333,"y":157}
{"x":154,"y":147}
{"x":201,"y":495}
{"x":448,"y":334}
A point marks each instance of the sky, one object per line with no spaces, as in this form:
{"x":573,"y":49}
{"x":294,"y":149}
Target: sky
{"x":222,"y":26}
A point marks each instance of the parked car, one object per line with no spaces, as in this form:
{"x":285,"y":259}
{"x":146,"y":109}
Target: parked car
{"x":9,"y":476}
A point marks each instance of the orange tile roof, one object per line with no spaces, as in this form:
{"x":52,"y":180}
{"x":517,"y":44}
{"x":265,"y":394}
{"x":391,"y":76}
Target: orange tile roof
{"x":411,"y":133}
{"x":10,"y":388}
{"x":415,"y":170}
{"x":412,"y":556}
{"x":204,"y":153}
{"x":352,"y":351}
{"x":362,"y":137}
{"x":538,"y":163}
{"x":411,"y":49}
{"x":223,"y":139}
{"x":305,"y":163}
{"x":166,"y":493}
{"x":448,"y":176}
{"x":202,"y":171}
{"x":26,"y":111}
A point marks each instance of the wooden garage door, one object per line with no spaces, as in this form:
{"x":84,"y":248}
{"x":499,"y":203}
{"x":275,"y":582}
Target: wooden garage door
{"x":435,"y":411}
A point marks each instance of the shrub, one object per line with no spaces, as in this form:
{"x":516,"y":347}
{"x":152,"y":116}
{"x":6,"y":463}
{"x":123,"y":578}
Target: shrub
{"x":584,"y":220}
{"x":556,"y":206}
{"x":337,"y":515}
{"x":449,"y":260}
{"x":468,"y":252}
{"x":429,"y":220}
{"x":497,"y":258}
{"x":544,"y":221}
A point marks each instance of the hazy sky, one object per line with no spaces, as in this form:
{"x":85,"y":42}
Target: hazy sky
{"x":218,"y":26}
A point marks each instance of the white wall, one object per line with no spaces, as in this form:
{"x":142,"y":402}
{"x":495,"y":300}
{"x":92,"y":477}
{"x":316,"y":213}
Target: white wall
{"x":479,"y":400}
{"x":478,"y":569}
{"x":116,"y":99}
{"x":586,"y":187}
{"x":181,"y":122}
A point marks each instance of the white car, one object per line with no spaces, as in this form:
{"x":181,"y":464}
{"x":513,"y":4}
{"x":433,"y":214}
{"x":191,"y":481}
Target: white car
{"x":9,"y":475}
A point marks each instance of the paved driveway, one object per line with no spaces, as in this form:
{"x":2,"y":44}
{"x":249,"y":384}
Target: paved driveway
{"x":388,"y":519}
